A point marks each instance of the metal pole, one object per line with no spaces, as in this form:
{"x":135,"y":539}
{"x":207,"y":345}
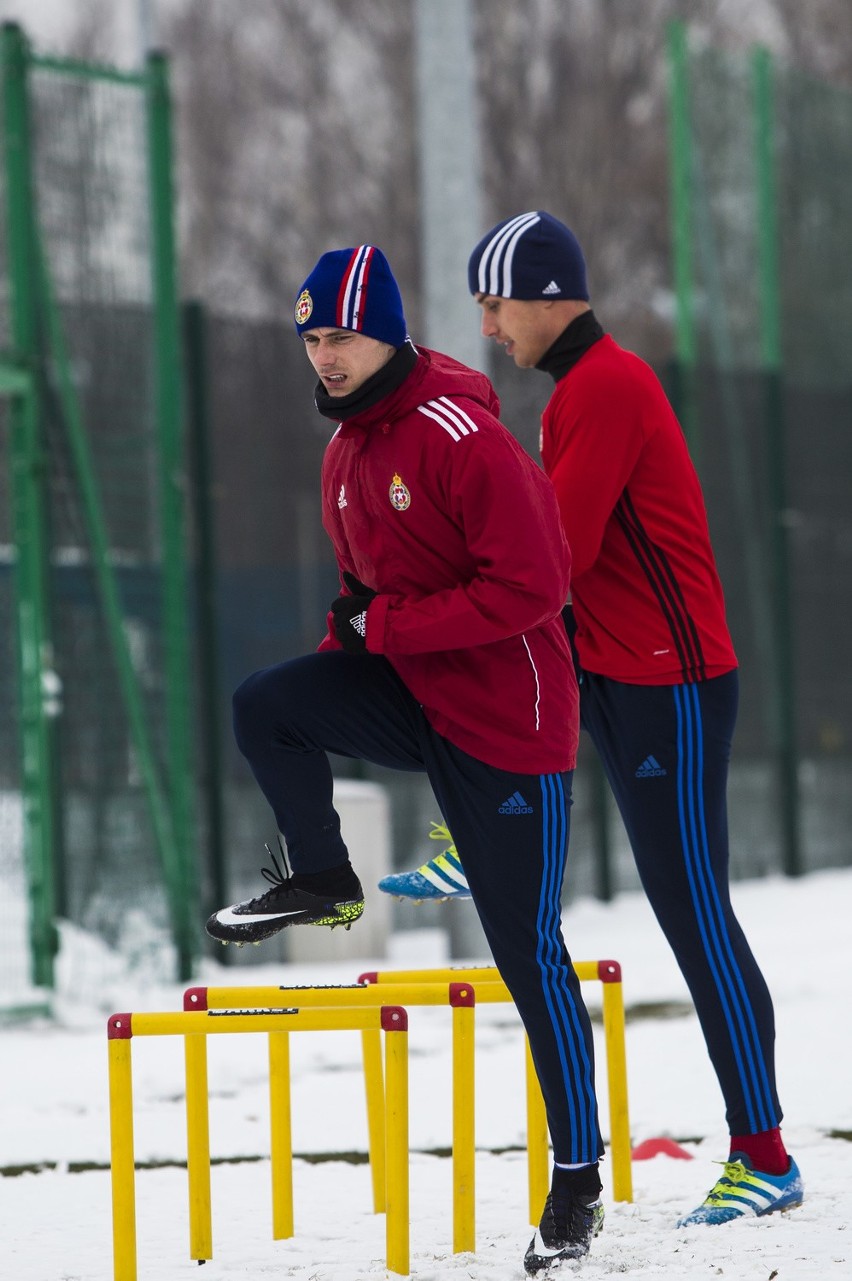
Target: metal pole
{"x":106,"y":582}
{"x":602,"y":829}
{"x":28,"y":484}
{"x":169,"y":424}
{"x":122,"y":1164}
{"x":450,"y":184}
{"x":680,"y":157}
{"x":209,"y":690}
{"x":784,"y":695}
{"x":198,"y":1148}
{"x":146,"y":28}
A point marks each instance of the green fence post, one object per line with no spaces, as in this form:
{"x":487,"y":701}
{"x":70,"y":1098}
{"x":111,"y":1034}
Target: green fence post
{"x":209,"y":689}
{"x":28,"y":474}
{"x":784,"y":693}
{"x":108,"y":592}
{"x":680,"y":187}
{"x":604,"y":887}
{"x":169,"y":410}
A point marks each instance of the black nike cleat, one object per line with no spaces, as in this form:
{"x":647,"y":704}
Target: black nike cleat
{"x":573,"y":1216}
{"x":333,"y":897}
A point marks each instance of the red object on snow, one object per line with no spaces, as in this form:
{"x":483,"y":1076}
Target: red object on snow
{"x":660,"y":1147}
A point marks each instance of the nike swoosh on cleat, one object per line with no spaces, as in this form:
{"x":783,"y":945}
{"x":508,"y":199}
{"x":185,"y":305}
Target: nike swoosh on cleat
{"x":543,"y":1251}
{"x":229,"y":917}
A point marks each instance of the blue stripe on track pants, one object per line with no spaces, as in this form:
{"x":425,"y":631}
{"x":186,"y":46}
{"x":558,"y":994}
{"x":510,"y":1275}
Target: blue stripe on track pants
{"x":288,"y":717}
{"x":665,"y":750}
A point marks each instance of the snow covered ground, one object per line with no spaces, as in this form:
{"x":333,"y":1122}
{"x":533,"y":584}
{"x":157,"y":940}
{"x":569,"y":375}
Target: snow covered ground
{"x":56,"y":1217}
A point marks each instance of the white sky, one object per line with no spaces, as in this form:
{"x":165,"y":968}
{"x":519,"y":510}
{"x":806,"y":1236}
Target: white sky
{"x":47,"y":21}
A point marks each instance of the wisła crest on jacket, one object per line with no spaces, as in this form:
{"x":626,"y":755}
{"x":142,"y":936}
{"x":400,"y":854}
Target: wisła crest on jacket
{"x":399,"y":494}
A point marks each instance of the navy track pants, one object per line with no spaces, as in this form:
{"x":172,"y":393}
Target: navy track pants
{"x":665,"y":750}
{"x":511,"y":831}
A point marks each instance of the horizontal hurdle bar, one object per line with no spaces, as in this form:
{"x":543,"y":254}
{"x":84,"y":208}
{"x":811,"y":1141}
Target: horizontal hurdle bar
{"x":483,"y":973}
{"x":195,"y":1027}
{"x":608,"y":973}
{"x":461,"y":999}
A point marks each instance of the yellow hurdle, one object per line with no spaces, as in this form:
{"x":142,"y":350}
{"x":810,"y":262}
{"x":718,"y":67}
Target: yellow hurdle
{"x":195,"y":1027}
{"x":491,"y":988}
{"x":459,"y":996}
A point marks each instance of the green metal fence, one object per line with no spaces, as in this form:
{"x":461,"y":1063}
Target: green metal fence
{"x":762,"y":223}
{"x":98,"y":774}
{"x":95,"y":741}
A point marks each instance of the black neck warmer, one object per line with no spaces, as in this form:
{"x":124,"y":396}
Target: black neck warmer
{"x":381,"y":384}
{"x":572,"y":343}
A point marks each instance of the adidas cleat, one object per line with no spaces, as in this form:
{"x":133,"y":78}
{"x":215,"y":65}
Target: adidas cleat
{"x":328,"y":898}
{"x":743,"y":1191}
{"x":573,"y":1216}
{"x":441,"y":878}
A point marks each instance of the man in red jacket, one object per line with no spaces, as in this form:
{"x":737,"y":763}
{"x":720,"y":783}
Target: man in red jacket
{"x":656,"y":667}
{"x":445,"y":653}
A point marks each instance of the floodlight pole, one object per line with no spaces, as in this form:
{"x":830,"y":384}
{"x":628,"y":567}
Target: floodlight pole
{"x":450,"y":183}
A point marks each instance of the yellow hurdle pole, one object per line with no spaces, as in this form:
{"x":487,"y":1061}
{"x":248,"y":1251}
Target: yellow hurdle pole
{"x":208,"y":1022}
{"x":212,"y":1022}
{"x":394,"y":1021}
{"x":492,"y":992}
{"x":119,"y":1032}
{"x":280,"y":1136}
{"x":463,"y":974}
{"x":198,"y":1148}
{"x":491,"y":988}
{"x":266,"y":996}
{"x":438,"y":974}
{"x":374,"y":1086}
{"x":362,"y":993}
{"x":538,"y":1163}
{"x":616,"y":1062}
{"x":463,"y":1002}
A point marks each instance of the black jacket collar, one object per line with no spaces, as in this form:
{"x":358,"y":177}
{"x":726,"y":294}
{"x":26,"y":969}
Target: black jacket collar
{"x":572,"y":343}
{"x":382,"y":383}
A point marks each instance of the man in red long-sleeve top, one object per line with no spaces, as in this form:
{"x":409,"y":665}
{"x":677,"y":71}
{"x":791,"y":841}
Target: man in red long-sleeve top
{"x":656,"y":667}
{"x":445,"y":653}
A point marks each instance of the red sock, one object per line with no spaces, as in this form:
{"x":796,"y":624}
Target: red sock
{"x":766,"y":1150}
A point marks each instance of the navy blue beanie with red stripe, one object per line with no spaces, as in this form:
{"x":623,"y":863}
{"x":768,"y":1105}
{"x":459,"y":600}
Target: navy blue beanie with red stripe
{"x":353,"y":289}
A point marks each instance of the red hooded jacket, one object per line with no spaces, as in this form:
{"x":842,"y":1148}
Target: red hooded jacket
{"x":429,"y":500}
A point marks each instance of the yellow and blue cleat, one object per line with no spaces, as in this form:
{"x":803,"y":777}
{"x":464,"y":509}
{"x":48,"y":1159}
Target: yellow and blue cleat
{"x":441,"y":878}
{"x":742,"y":1191}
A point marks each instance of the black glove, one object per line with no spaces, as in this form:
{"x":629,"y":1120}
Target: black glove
{"x":349,"y":615}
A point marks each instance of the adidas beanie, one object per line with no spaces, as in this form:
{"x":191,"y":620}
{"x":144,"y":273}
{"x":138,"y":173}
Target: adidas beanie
{"x":352,"y":289}
{"x":533,"y":255}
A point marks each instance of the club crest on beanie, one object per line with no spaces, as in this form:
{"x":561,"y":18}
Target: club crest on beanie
{"x":533,"y":255}
{"x":352,"y":289}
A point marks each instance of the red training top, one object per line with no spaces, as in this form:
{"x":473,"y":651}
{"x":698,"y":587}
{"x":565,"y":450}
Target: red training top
{"x":645,"y":590}
{"x":431,"y":501}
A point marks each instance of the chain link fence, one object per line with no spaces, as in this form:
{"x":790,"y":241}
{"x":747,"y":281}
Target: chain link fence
{"x":761,"y":159}
{"x":96,"y":704}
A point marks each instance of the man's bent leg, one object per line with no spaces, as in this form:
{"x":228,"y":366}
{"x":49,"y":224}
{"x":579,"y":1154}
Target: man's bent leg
{"x":286,"y":719}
